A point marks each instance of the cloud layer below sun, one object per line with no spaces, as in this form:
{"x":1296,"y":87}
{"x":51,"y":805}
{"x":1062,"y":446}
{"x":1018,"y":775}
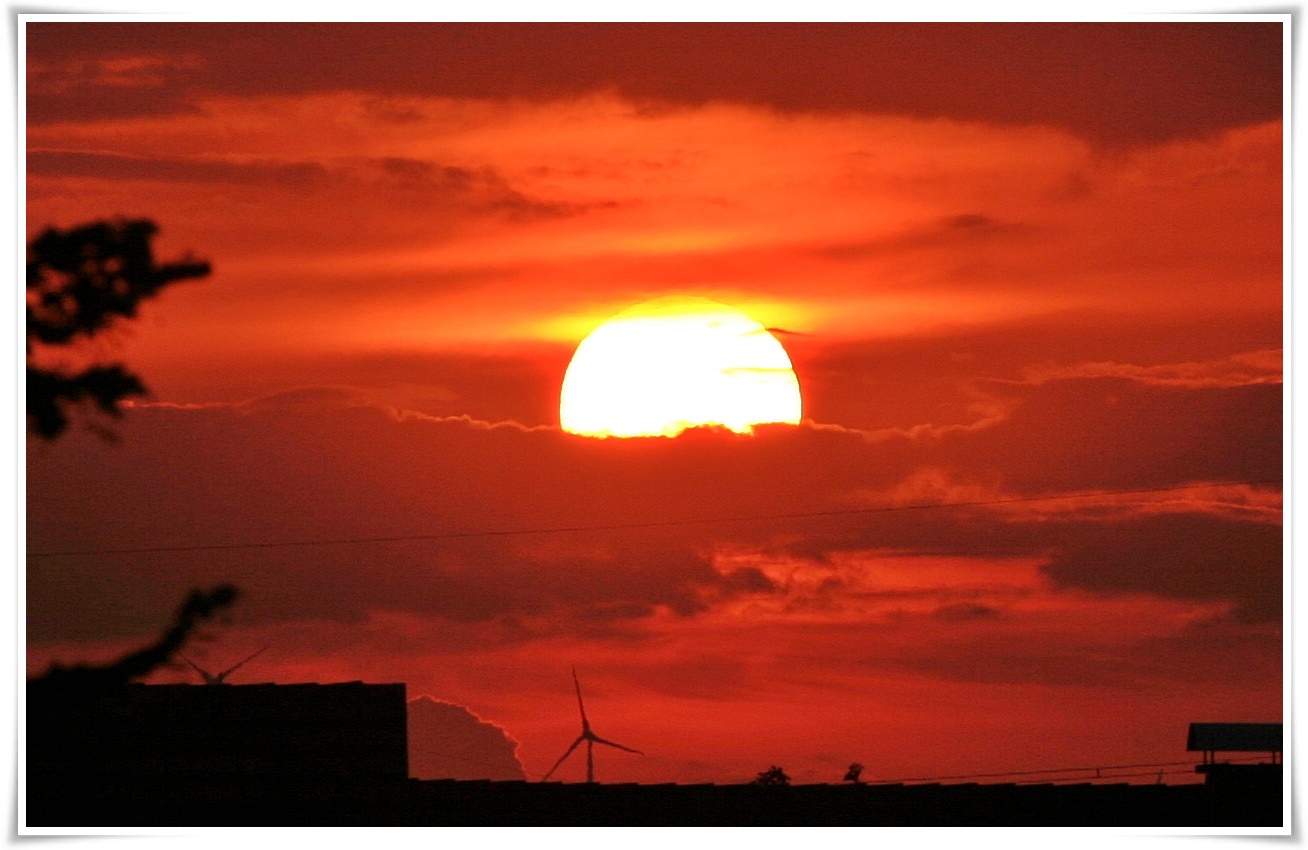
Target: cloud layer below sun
{"x":1062,"y":313}
{"x":1175,"y":592}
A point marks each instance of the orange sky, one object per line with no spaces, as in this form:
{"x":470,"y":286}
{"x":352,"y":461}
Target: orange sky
{"x":1010,"y":263}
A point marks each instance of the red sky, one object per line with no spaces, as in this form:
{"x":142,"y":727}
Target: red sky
{"x":1034,"y":268}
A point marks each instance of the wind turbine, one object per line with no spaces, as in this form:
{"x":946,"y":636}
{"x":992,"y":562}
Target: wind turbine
{"x":589,"y":737}
{"x":218,"y":678}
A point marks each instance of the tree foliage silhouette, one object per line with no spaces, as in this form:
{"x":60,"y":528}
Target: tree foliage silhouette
{"x":772,"y":776}
{"x":79,"y":283}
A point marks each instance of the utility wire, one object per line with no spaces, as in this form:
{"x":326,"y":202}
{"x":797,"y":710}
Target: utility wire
{"x":1106,"y":777}
{"x":1032,"y":772}
{"x":1096,"y":769}
{"x":455,"y":535}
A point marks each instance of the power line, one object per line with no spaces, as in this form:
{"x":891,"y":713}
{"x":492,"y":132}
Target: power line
{"x":1158,"y":774}
{"x":627,"y":526}
{"x":1096,"y":769}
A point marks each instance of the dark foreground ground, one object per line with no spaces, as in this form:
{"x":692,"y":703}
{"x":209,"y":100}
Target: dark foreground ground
{"x":453,"y":803}
{"x":133,"y":755}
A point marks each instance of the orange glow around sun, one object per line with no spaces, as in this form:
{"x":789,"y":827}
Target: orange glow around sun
{"x":676,"y":363}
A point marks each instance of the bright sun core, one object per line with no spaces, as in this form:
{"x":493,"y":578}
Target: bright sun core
{"x":676,"y":363}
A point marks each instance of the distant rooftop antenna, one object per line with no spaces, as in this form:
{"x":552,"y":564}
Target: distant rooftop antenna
{"x":219,"y":678}
{"x":589,"y":737}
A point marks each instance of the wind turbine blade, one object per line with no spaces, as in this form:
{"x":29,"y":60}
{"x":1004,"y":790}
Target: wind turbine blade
{"x":232,"y":669}
{"x":562,"y":757}
{"x":204,"y":674}
{"x":584,"y":723}
{"x":597,"y":739}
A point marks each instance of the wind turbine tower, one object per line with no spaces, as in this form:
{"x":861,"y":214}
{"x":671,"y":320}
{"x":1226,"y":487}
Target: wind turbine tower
{"x":589,"y":737}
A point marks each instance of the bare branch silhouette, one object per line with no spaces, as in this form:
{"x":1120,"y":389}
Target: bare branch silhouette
{"x":199,"y":606}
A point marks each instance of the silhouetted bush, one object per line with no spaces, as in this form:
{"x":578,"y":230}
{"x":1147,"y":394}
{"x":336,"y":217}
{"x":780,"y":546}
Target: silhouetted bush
{"x":772,"y":776}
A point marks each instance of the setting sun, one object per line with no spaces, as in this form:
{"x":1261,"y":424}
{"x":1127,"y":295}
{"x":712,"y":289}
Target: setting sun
{"x":676,"y":363}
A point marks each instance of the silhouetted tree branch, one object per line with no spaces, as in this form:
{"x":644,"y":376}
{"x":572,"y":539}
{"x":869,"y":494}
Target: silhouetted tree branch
{"x":79,"y":282}
{"x":199,"y":606}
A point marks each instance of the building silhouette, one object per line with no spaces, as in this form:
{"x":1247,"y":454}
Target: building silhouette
{"x":347,"y":732}
{"x":1215,"y":740}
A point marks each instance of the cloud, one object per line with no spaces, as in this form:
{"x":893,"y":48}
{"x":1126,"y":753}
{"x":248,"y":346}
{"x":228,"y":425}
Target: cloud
{"x":1252,"y":367}
{"x":448,"y":741}
{"x":1168,"y":80}
{"x":603,"y":534}
{"x":963,"y":374}
{"x":57,"y":163}
{"x":1113,"y":433}
{"x":126,"y":83}
{"x":965,"y":230}
{"x":481,"y":189}
{"x":475,"y":223}
{"x":963,"y":611}
{"x":1179,"y":556}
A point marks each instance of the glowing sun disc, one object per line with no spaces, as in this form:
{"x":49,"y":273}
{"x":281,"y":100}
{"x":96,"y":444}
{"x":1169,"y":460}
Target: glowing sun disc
{"x":677,"y":363}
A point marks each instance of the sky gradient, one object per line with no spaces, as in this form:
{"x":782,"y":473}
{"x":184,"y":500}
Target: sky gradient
{"x":1033,"y":271}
